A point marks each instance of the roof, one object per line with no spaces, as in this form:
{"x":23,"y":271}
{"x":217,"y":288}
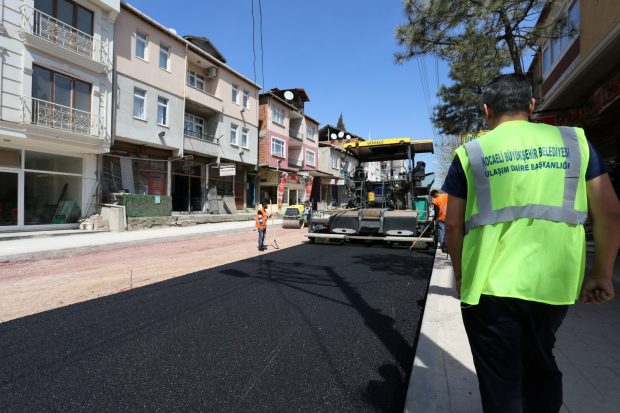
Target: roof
{"x":206,"y":45}
{"x":388,"y":149}
{"x":330,"y":128}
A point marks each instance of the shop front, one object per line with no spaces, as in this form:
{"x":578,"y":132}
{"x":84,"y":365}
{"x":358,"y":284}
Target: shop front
{"x":281,"y":189}
{"x":40,"y":190}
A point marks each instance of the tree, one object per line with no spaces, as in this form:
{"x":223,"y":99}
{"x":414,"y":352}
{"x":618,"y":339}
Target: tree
{"x":447,"y":27}
{"x":340,"y":124}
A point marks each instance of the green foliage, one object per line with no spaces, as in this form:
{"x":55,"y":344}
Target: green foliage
{"x":146,"y":205}
{"x":340,"y":124}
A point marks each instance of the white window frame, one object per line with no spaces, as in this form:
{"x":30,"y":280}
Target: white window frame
{"x":193,"y":121}
{"x":195,"y":77}
{"x":164,"y":104}
{"x":165,"y":49}
{"x":277,"y":115}
{"x":313,"y":163}
{"x":235,"y":94}
{"x":310,"y":132}
{"x":334,"y":160}
{"x":245,"y":99}
{"x":282,"y":144}
{"x":234,"y":134}
{"x":136,"y":96}
{"x":145,"y":40}
{"x":245,"y":138}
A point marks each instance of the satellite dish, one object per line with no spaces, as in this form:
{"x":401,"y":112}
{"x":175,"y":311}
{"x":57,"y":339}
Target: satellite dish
{"x":288,"y":95}
{"x":348,"y":137}
{"x":340,"y":134}
{"x":333,"y":136}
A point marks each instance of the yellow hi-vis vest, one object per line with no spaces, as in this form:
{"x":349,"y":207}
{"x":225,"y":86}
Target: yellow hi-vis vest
{"x":526,"y":205}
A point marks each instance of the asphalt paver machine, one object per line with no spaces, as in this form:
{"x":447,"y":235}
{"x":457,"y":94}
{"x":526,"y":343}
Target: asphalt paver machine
{"x":394,"y":209}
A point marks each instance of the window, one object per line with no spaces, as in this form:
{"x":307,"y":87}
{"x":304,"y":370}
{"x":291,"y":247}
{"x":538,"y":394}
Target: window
{"x":309,"y":158}
{"x":195,"y":80}
{"x":194,"y":126}
{"x":334,"y":159}
{"x":246,"y":99}
{"x":245,"y":142}
{"x":60,"y":101}
{"x":142,"y":42}
{"x":235,"y":94}
{"x":67,"y":12}
{"x":277,"y":147}
{"x":162,"y":111}
{"x":164,"y":57}
{"x":554,"y":49}
{"x":139,"y":103}
{"x":277,"y":115}
{"x":233,"y":134}
{"x":310,"y":131}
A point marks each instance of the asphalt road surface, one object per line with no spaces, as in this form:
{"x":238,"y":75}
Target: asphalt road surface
{"x":313,"y":328}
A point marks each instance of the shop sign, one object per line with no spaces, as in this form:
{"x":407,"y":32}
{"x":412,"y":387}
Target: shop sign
{"x":227,"y":169}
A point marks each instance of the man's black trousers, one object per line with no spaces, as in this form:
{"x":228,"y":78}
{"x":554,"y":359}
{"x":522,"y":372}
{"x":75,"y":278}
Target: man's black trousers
{"x":512,"y":344}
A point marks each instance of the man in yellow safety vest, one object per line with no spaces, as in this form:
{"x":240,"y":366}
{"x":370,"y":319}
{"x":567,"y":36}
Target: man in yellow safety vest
{"x":518,"y":197}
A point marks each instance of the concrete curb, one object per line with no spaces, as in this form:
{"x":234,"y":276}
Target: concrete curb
{"x":443,"y":377}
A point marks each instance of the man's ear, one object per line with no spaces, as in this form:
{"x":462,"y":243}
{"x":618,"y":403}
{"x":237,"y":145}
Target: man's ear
{"x":488,"y":112}
{"x":530,"y":109}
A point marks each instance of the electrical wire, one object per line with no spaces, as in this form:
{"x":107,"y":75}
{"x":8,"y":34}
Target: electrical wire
{"x":262,"y":54}
{"x":253,"y":42}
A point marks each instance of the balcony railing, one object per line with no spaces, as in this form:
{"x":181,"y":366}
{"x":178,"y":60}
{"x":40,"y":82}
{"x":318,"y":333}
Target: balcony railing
{"x":68,"y":37}
{"x":52,"y":115}
{"x":202,"y":136}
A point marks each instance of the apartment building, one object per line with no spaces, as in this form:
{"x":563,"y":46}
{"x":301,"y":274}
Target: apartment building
{"x":288,"y":147}
{"x":186,"y":123}
{"x":56,"y":101}
{"x":334,"y":164}
{"x":576,"y":75}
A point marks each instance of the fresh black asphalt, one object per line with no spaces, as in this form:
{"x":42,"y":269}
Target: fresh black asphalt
{"x":313,"y":328}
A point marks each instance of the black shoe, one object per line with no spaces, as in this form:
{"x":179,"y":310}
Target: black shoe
{"x":261,"y":249}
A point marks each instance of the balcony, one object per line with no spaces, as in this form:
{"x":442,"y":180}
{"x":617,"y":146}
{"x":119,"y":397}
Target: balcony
{"x":51,"y":115}
{"x":204,"y":98}
{"x":202,"y":136}
{"x":39,"y":30}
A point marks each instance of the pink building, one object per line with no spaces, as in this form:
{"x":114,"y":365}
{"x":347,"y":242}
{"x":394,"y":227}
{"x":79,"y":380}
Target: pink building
{"x":288,"y":147}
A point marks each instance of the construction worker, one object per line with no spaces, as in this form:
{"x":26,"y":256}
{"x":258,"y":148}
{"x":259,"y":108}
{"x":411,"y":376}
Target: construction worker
{"x":440,"y":203}
{"x":261,"y":225}
{"x":519,"y":196}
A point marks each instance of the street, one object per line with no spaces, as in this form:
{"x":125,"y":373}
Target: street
{"x":308,"y":328}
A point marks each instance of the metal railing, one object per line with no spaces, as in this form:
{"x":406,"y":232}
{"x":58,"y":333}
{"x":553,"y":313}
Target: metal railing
{"x":202,"y":136}
{"x":52,"y":115}
{"x":66,"y":36}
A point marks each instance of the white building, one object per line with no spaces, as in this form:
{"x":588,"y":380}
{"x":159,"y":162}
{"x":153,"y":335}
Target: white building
{"x":56,"y":101}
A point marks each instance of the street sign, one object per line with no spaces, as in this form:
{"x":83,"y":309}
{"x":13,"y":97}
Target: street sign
{"x":227,"y":169}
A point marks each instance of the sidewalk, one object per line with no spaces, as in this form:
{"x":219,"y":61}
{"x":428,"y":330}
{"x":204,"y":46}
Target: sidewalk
{"x":28,"y":245}
{"x":443,"y":378}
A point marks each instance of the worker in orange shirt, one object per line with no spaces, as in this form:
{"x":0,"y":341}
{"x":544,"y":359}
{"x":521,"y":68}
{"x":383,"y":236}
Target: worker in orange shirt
{"x":440,"y":203}
{"x":261,"y":225}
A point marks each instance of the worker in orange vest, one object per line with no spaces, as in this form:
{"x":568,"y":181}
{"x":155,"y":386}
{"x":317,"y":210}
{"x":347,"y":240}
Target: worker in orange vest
{"x":440,"y":203}
{"x":261,"y":226}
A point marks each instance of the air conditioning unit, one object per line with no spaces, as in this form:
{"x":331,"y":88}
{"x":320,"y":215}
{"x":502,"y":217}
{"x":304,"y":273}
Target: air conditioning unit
{"x":211,"y":72}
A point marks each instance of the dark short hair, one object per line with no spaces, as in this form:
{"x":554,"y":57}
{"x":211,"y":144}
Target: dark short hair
{"x":434,"y":191}
{"x":508,"y":94}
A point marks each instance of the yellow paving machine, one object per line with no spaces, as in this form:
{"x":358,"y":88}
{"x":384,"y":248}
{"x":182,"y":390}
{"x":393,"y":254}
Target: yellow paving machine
{"x":394,"y":208}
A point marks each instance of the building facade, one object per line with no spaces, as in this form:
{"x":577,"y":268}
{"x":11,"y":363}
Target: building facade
{"x":186,"y":123}
{"x":288,"y":148}
{"x":56,"y":100}
{"x":576,"y":74}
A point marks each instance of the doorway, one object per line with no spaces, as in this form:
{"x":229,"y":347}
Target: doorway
{"x":9,"y":198}
{"x":186,"y":193}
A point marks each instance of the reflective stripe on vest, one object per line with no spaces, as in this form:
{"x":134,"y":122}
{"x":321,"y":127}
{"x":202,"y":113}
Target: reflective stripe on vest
{"x":566,"y":213}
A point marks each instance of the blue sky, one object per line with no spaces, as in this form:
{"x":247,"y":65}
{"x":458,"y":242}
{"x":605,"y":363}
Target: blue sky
{"x":339,"y":51}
